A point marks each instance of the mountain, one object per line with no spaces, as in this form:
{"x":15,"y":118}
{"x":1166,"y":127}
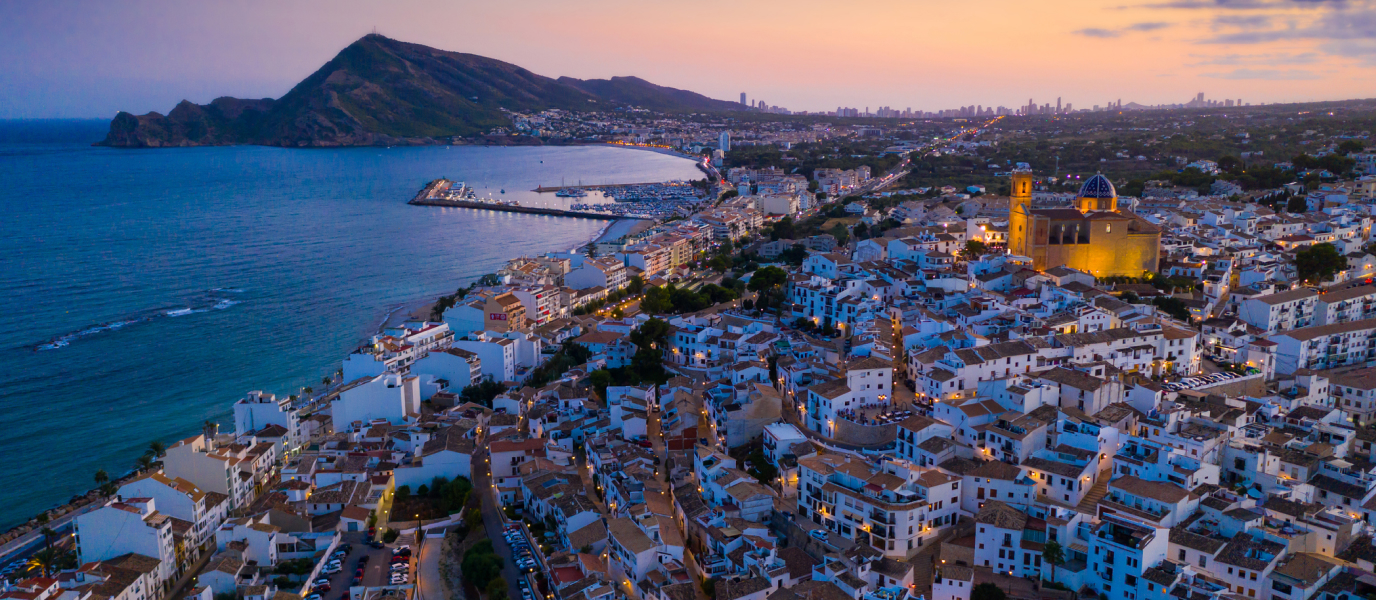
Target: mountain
{"x":380,"y":91}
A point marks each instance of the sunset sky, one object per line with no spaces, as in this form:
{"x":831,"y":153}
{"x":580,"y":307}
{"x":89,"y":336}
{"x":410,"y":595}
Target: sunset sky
{"x":90,"y":58}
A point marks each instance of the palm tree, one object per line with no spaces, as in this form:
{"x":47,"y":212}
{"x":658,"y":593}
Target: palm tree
{"x":1053,"y":554}
{"x":144,"y":462}
{"x":157,"y":448}
{"x":44,"y":560}
{"x":102,"y":477}
{"x":108,"y":488}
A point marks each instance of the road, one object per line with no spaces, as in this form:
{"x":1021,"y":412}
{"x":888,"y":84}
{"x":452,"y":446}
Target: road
{"x":429,"y":585}
{"x":22,"y":547}
{"x":493,"y":523}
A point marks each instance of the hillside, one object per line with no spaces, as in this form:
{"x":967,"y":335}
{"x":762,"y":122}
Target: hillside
{"x":381,"y":91}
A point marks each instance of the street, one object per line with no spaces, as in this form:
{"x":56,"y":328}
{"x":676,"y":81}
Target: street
{"x":493,"y":522}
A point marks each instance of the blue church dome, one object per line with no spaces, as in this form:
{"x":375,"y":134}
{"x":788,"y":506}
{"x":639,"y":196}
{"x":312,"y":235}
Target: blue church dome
{"x":1098,"y":186}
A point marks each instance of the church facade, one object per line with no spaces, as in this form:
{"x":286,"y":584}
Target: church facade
{"x":1093,"y":236}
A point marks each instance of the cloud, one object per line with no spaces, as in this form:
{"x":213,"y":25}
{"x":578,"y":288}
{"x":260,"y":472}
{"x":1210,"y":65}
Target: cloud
{"x":1241,"y":4}
{"x":1345,"y":32}
{"x":1268,"y":74}
{"x":1242,"y":21}
{"x":1305,"y":58}
{"x":1097,"y":32}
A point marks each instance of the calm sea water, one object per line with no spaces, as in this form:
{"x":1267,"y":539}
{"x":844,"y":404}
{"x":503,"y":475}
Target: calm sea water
{"x":143,"y":291}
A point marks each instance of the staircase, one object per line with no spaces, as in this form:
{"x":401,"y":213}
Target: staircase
{"x":1089,"y":505}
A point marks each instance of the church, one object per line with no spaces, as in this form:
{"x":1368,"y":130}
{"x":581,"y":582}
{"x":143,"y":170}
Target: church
{"x":1092,"y":236}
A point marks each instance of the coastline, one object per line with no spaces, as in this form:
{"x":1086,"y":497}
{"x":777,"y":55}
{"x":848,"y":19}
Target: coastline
{"x":392,"y":318}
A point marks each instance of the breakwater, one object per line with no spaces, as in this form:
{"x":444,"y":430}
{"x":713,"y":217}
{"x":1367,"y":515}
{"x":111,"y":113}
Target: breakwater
{"x":419,"y":201}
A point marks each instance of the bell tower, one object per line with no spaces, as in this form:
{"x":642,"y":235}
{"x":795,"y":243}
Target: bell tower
{"x":1019,"y":214}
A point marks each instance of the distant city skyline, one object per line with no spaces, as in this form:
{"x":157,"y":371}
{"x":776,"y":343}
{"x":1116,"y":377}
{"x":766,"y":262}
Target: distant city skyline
{"x":84,"y":58}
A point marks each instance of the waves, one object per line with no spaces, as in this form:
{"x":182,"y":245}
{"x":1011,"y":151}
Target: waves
{"x":207,"y":303}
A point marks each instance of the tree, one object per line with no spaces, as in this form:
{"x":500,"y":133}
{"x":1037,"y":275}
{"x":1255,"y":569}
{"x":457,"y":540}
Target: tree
{"x":1319,"y":262}
{"x":767,"y":278}
{"x":1296,"y":204}
{"x":839,"y":232}
{"x":481,"y":564}
{"x":783,"y":229}
{"x":974,"y":249}
{"x":144,"y":462}
{"x":401,"y":494}
{"x":987,"y":591}
{"x":158,"y":448}
{"x":44,"y":560}
{"x":102,"y":477}
{"x":636,"y":284}
{"x":1174,"y":307}
{"x":482,"y":392}
{"x":600,"y":380}
{"x":1349,"y":146}
{"x":719,"y":263}
{"x":1053,"y":554}
{"x":496,"y":589}
{"x":650,"y":340}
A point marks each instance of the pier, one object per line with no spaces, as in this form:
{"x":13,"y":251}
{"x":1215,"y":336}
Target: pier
{"x":554,"y":188}
{"x":530,"y":210}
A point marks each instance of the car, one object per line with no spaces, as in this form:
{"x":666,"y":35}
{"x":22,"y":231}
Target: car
{"x":644,"y":444}
{"x":399,"y":579}
{"x":377,"y":544}
{"x":818,"y":534}
{"x":331,"y":570}
{"x":313,"y":597}
{"x":399,"y":567}
{"x":400,"y":559}
{"x":322,"y":581}
{"x":358,"y":572}
{"x":356,"y":581}
{"x":322,"y":588}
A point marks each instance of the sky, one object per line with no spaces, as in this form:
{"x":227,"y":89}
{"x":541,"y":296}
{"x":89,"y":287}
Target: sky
{"x":91,"y":58}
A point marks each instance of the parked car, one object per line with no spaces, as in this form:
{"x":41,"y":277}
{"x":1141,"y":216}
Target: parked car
{"x":322,"y":581}
{"x":356,"y":581}
{"x":819,"y":534}
{"x":363,"y":560}
{"x":322,"y":588}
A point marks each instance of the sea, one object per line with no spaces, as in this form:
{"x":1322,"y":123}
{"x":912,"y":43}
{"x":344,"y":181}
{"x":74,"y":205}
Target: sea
{"x":143,"y":291}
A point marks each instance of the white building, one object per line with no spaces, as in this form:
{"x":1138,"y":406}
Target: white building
{"x":391,"y":396}
{"x":131,"y":525}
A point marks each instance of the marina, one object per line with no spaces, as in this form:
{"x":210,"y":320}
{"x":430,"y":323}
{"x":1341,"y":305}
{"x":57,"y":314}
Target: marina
{"x":628,"y":201}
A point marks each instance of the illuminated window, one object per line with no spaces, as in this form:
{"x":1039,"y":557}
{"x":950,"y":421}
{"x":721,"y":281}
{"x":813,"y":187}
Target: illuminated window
{"x":1108,"y":227}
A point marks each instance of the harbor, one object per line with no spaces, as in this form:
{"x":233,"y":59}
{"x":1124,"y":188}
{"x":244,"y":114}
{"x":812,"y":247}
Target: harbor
{"x":627,"y":200}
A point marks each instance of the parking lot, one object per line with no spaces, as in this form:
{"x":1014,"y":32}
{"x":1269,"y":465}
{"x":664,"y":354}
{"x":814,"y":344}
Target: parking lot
{"x":522,"y":556}
{"x":1199,"y":381}
{"x":375,"y":565}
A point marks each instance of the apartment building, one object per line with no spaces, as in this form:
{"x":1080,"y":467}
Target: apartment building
{"x":1280,"y":311}
{"x":607,"y":272}
{"x":1344,"y":306}
{"x":125,"y":526}
{"x":1325,"y":346}
{"x":879,"y":509}
{"x":258,"y":409}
